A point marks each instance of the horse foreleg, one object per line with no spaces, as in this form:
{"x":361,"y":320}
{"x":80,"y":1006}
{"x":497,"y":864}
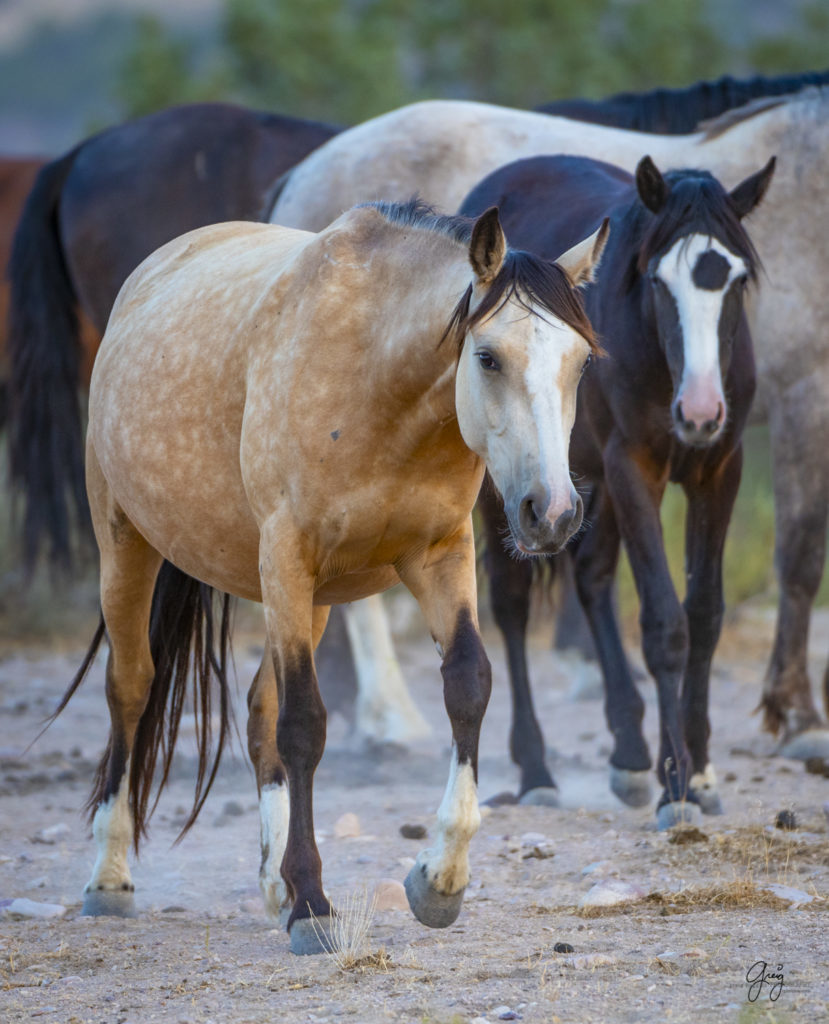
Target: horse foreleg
{"x":801,"y":499}
{"x":710,"y":503}
{"x":510,"y":582}
{"x":443,"y":581}
{"x":595,"y":555}
{"x":385,"y":710}
{"x":636,"y":484}
{"x":129,"y":567}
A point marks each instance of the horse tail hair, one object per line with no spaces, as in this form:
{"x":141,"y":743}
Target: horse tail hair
{"x":182,"y":631}
{"x":182,"y":628}
{"x":45,"y":449}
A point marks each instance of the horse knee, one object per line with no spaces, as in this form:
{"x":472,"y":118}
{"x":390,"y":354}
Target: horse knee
{"x":665,"y":642}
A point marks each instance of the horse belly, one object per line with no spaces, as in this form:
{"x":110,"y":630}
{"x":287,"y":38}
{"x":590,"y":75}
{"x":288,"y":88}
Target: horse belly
{"x":355,"y":585}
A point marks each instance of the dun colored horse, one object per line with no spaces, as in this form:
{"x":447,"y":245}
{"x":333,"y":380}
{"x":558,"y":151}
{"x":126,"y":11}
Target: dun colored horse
{"x":668,"y":403}
{"x":441,"y":149}
{"x":304,"y":420}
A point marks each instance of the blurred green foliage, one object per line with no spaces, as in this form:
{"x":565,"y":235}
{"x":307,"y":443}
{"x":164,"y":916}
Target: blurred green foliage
{"x":347,"y":60}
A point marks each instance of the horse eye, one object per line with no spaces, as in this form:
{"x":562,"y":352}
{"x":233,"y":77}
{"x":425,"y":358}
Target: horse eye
{"x":487,"y":360}
{"x":587,"y":362}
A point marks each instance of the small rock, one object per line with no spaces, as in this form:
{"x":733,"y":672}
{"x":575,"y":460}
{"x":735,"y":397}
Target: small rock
{"x":563,"y":947}
{"x":251,"y":906}
{"x":23,"y":907}
{"x":413,"y":831}
{"x":52,"y":834}
{"x":174,"y":908}
{"x":610,"y":893}
{"x":347,"y":826}
{"x":730,"y":777}
{"x":600,"y":867}
{"x":588,"y":961}
{"x":794,"y":897}
{"x":390,"y":895}
{"x":233,"y":809}
{"x":505,"y":1013}
{"x":786,"y":820}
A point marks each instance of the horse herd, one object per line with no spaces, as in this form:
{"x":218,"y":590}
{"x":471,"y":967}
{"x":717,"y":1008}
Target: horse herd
{"x":302,"y":413}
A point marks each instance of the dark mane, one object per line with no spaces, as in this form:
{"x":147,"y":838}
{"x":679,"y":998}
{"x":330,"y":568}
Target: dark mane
{"x":679,"y":111}
{"x":417,"y":213}
{"x":696,"y":204}
{"x":532,"y":281}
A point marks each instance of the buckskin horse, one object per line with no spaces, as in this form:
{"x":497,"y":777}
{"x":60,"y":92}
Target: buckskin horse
{"x":442,"y":148}
{"x":247,"y":378}
{"x":668,"y":403}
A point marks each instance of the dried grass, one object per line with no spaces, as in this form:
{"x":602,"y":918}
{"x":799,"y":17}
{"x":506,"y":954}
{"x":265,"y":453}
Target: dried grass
{"x":349,"y":934}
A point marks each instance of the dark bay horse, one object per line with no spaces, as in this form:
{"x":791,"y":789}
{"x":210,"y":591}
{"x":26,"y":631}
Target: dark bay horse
{"x":668,"y":403}
{"x":92,"y":216}
{"x":304,"y":420}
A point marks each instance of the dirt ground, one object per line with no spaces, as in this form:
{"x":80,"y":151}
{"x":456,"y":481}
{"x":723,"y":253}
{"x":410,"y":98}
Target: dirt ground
{"x":203,"y":951}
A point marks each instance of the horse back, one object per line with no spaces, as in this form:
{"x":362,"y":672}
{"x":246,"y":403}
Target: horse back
{"x":549,"y":203}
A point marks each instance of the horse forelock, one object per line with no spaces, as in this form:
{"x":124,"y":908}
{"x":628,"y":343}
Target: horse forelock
{"x":537,"y":285}
{"x":697,"y":204}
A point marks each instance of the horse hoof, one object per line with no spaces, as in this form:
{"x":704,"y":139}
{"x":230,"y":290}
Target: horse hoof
{"x":430,"y":907}
{"x":541,"y":796}
{"x":504,"y":799}
{"x":709,"y":801}
{"x":311,"y":935}
{"x":108,"y":903}
{"x":632,"y":788}
{"x":811,"y":743}
{"x":683,"y":812}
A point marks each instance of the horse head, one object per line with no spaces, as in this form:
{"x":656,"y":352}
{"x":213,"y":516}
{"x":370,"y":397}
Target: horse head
{"x":526,"y":342}
{"x":697,"y":260}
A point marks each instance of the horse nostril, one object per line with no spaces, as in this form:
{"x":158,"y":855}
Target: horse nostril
{"x":527,"y":513}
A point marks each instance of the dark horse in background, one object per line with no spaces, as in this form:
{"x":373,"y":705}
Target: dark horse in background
{"x":92,"y":216}
{"x":679,"y":111}
{"x":800,"y":532}
{"x":669,"y":402}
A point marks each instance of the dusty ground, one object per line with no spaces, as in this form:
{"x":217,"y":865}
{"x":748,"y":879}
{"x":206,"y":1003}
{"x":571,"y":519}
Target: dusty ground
{"x":203,"y":951}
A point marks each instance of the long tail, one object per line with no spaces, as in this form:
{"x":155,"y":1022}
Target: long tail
{"x":45,"y":442}
{"x":183,"y":635}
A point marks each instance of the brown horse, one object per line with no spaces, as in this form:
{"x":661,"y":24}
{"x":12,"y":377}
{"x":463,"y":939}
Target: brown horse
{"x":303,"y":420}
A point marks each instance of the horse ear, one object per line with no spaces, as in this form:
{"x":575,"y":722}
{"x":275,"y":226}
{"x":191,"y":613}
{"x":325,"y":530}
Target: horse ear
{"x":582,"y":261}
{"x":749,"y":192}
{"x":651,"y":186}
{"x":488,"y":246}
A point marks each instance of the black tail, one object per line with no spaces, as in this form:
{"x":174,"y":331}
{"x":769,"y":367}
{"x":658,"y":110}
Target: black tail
{"x":181,"y":625}
{"x":45,"y":443}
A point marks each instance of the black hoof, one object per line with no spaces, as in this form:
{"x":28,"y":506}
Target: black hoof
{"x":682,"y":812}
{"x":429,"y":906}
{"x":541,"y":796}
{"x":311,"y":935}
{"x":632,"y":788}
{"x":108,"y":903}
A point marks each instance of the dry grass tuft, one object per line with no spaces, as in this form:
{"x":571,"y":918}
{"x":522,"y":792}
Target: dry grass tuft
{"x":349,"y":934}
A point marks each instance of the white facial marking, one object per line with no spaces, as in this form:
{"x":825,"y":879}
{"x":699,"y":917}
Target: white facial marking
{"x":552,"y":392}
{"x":112,"y":831}
{"x":699,"y":315}
{"x":274,"y":814}
{"x":447,"y":863}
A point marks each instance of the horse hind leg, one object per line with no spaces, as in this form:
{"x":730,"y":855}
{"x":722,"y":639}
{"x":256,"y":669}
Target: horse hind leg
{"x":129,"y":567}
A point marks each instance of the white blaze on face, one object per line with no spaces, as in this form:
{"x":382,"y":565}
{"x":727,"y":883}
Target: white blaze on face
{"x":557,"y":355}
{"x":274,"y":814}
{"x":701,"y":389}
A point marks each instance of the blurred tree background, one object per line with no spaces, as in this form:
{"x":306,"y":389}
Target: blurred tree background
{"x":347,"y":60}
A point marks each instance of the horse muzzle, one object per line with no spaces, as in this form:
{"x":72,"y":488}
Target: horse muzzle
{"x":539,"y":527}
